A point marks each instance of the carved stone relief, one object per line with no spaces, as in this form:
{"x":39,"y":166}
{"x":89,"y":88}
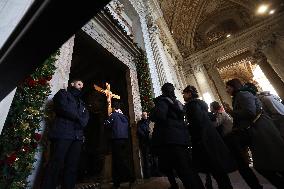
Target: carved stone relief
{"x":116,"y":9}
{"x":63,"y":65}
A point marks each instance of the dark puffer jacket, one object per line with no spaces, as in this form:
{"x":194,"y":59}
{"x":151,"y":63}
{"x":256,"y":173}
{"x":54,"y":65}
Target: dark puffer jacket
{"x":207,"y":144}
{"x":71,"y":115}
{"x":170,"y":127}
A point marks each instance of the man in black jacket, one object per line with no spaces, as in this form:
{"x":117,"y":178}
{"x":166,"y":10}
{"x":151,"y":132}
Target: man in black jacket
{"x":66,"y":136}
{"x":210,"y":154}
{"x":171,"y":139}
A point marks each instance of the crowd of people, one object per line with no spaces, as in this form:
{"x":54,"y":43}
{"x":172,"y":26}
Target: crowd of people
{"x":187,"y":139}
{"x":219,"y":139}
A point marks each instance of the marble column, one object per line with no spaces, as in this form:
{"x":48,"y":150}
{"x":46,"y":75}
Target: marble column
{"x":219,"y":84}
{"x":269,"y":72}
{"x":205,"y":88}
{"x":160,"y":56}
{"x":191,"y":79}
{"x":273,"y":49}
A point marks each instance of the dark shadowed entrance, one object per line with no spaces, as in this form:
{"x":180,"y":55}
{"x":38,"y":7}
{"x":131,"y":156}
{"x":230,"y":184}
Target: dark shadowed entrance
{"x":95,"y":65}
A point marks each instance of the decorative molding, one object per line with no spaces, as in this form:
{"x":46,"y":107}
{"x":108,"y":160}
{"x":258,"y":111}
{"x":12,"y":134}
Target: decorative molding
{"x":232,"y":54}
{"x":235,"y":64}
{"x":142,"y":12}
{"x":63,"y":65}
{"x":116,"y":9}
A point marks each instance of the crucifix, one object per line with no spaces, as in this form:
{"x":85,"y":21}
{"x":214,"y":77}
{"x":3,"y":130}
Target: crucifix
{"x":108,"y":94}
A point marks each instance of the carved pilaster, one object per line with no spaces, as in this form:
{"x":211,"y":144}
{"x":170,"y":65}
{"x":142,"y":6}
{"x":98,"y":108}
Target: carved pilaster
{"x":272,"y":51}
{"x":63,"y":65}
{"x":141,"y":9}
{"x":269,"y":72}
{"x":218,"y":83}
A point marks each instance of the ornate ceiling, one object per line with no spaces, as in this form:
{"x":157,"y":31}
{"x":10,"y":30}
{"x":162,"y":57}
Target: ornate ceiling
{"x":196,"y":24}
{"x":242,"y":69}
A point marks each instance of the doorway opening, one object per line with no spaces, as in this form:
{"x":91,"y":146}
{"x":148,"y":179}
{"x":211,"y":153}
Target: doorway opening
{"x":95,"y":65}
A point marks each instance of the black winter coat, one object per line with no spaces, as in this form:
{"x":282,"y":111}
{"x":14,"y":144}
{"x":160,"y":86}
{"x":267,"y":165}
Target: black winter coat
{"x":267,"y":145}
{"x":207,"y":144}
{"x":170,"y":127}
{"x":71,"y":116}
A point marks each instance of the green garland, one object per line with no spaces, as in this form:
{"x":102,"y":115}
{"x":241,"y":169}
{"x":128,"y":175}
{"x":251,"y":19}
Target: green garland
{"x":21,"y":132}
{"x":144,"y":81}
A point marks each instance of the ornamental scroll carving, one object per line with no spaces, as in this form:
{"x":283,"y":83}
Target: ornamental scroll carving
{"x":63,"y":65}
{"x":116,"y":9}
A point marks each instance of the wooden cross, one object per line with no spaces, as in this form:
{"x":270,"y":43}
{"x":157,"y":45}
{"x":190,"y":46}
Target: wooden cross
{"x":108,"y":94}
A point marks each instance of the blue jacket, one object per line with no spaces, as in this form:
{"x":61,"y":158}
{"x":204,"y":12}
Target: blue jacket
{"x":71,"y":116}
{"x":119,"y":125}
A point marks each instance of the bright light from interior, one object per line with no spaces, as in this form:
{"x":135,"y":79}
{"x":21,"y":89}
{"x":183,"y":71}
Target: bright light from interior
{"x":272,"y":11}
{"x":262,"y":9}
{"x":207,"y":98}
{"x":228,"y":35}
{"x":262,"y":81}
